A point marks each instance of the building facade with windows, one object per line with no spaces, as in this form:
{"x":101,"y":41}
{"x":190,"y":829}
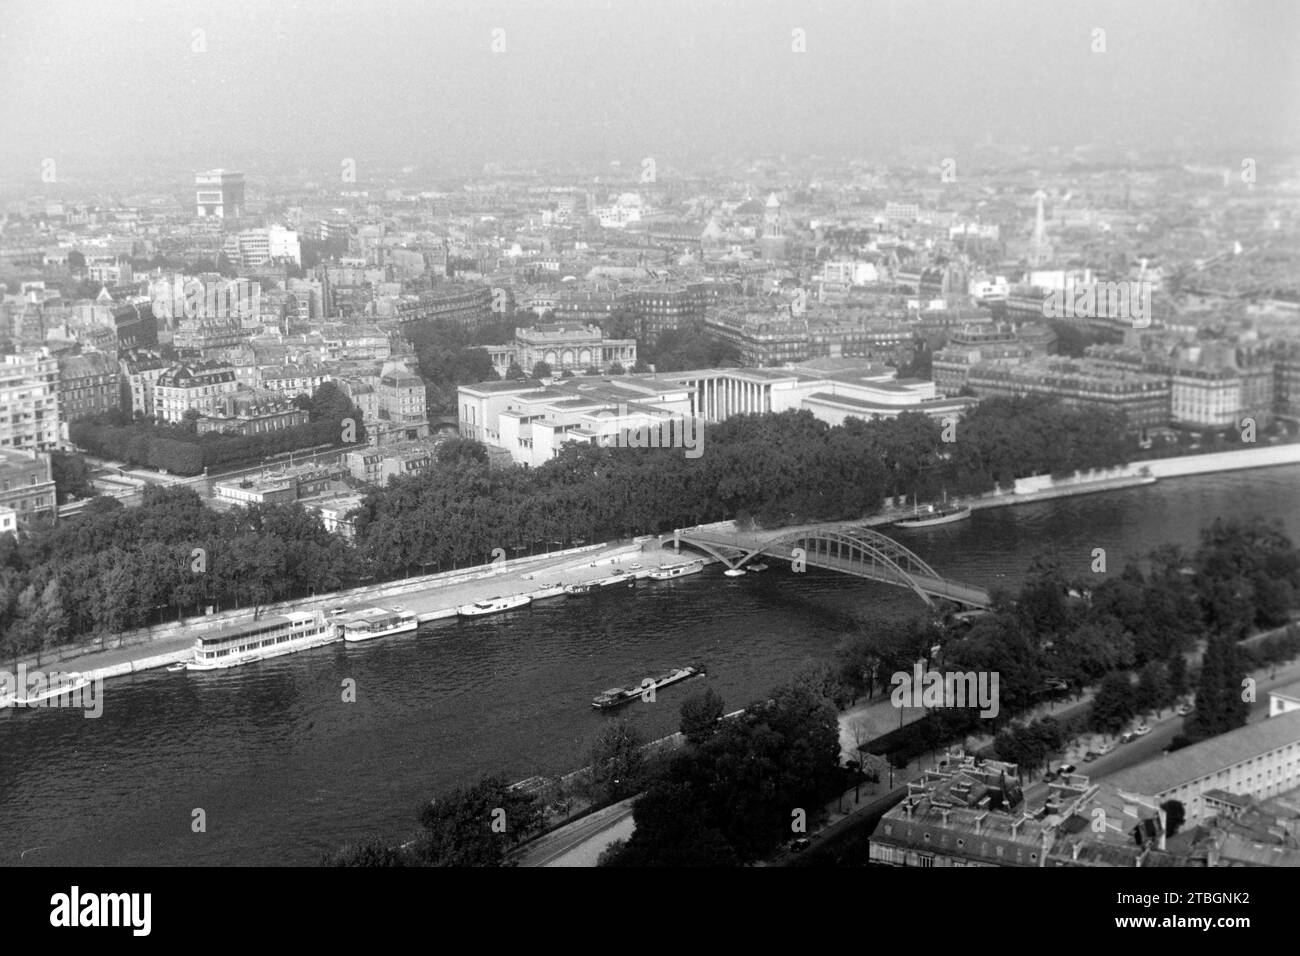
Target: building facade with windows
{"x":1258,"y":760}
{"x":29,"y":400}
{"x":201,"y":388}
{"x":564,"y":346}
{"x":1206,"y":397}
{"x":1079,"y":383}
{"x":26,"y":484}
{"x":89,"y":384}
{"x":247,"y":412}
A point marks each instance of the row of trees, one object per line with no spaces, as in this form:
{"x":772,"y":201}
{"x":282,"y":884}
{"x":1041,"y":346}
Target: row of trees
{"x":774,"y":468}
{"x":114,"y":568}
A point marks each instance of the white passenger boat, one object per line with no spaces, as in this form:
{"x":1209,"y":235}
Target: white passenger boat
{"x":42,"y":690}
{"x":368,"y":623}
{"x":669,"y":571}
{"x":256,"y":640}
{"x":494,"y":605}
{"x":734,"y":572}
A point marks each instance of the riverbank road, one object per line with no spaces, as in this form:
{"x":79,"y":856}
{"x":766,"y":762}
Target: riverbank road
{"x":581,"y":842}
{"x":510,"y":578}
{"x":428,"y":597}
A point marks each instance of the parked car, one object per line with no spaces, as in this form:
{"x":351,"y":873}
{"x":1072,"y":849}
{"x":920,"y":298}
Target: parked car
{"x":1184,"y":710}
{"x":1065,"y":768}
{"x":1090,"y":756}
{"x":1141,"y":730}
{"x":1105,"y":749}
{"x":1125,"y":738}
{"x":799,"y":845}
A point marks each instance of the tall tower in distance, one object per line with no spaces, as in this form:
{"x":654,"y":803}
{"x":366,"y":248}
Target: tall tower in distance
{"x":219,"y":193}
{"x":772,"y":243}
{"x":1041,"y":252}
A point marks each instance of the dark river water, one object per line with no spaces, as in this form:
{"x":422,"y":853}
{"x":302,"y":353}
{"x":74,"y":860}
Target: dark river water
{"x":284,"y":770}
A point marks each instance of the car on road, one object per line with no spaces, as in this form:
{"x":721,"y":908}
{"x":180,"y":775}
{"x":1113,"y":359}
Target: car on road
{"x":1090,"y":756}
{"x":1141,"y":730}
{"x":1065,"y":768}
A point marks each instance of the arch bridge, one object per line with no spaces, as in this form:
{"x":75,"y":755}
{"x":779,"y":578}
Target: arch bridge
{"x":854,"y":549}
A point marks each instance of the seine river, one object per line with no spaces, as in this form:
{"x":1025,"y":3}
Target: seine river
{"x":283,"y":770}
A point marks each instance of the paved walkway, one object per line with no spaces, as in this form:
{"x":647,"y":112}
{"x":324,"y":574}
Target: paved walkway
{"x":427,"y":596}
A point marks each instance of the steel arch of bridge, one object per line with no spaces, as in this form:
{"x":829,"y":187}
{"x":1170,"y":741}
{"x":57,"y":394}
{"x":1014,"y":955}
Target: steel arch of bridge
{"x":888,"y":560}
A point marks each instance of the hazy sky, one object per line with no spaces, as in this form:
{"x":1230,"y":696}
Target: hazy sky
{"x":94,"y":83}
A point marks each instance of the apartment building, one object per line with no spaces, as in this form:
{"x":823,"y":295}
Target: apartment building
{"x":402,"y":395}
{"x":974,"y":812}
{"x":252,"y":247}
{"x":376,"y":464}
{"x":1079,"y":383}
{"x":777,"y":337}
{"x":1206,"y":397}
{"x":140,"y":371}
{"x":1259,"y":760}
{"x":249,"y":412}
{"x":89,"y":385}
{"x":26,"y":484}
{"x":660,"y":308}
{"x":199,"y":387}
{"x":950,"y":366}
{"x":291,"y":380}
{"x":29,"y":400}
